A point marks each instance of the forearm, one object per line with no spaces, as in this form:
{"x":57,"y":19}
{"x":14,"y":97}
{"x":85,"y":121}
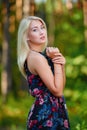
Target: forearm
{"x":59,"y":72}
{"x":64,"y":75}
{"x":59,"y":78}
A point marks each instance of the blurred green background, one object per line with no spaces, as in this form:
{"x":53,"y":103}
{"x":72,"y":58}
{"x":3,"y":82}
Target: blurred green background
{"x":67,"y":29}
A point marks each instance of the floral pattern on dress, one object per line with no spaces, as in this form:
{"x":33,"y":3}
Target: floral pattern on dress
{"x":48,"y":112}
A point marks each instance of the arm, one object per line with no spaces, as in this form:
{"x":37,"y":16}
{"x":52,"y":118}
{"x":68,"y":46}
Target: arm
{"x":57,"y":59}
{"x":39,"y":65}
{"x":59,"y":71}
{"x":64,"y":75}
{"x":58,"y":74}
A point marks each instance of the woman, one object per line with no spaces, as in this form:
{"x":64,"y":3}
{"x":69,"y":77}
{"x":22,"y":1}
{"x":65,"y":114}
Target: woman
{"x":43,"y":68}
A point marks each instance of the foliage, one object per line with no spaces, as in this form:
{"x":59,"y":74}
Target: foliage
{"x":69,"y":33}
{"x":14,"y":113}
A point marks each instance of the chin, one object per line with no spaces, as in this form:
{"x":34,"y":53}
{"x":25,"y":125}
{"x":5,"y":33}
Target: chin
{"x":43,"y":42}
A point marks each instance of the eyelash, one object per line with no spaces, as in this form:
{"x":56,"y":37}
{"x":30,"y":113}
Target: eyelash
{"x":42,"y":27}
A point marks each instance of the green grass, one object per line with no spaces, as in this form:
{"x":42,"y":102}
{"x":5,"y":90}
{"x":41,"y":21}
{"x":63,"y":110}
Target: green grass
{"x":77,"y":108}
{"x":13,"y":113}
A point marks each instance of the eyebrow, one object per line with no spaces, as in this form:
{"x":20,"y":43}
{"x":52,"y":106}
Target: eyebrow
{"x":34,"y":27}
{"x":37,"y":26}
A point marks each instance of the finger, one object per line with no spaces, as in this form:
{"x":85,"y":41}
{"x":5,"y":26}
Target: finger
{"x":57,"y":49}
{"x":50,"y":49}
{"x":58,"y":62}
{"x":58,"y":54}
{"x":58,"y":57}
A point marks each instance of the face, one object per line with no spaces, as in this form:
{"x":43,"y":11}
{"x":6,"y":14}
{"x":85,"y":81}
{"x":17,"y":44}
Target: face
{"x":37,"y":33}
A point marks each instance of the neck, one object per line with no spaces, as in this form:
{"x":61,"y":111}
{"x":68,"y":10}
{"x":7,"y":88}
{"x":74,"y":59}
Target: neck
{"x":36,"y":49}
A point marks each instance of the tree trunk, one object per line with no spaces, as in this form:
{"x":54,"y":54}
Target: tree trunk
{"x":28,"y":7}
{"x":18,"y":9}
{"x":6,"y":72}
{"x":85,"y":19}
{"x":55,"y":7}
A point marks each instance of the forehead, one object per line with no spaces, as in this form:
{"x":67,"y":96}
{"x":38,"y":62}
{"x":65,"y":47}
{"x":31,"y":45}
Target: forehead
{"x":36,"y":23}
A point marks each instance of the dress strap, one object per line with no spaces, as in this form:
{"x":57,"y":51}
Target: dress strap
{"x":26,"y":68}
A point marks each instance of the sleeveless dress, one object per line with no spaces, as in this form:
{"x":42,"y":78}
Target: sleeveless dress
{"x":47,"y":112}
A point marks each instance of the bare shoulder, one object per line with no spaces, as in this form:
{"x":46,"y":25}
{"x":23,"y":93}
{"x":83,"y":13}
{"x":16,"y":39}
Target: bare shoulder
{"x":35,"y":61}
{"x":35,"y":56}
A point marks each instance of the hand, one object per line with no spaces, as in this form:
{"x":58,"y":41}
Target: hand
{"x":59,"y":59}
{"x":52,"y":52}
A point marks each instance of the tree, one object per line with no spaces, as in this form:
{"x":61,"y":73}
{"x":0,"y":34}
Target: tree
{"x":53,"y":9}
{"x":85,"y":18}
{"x":28,"y":7}
{"x":19,"y":9}
{"x":6,"y":72}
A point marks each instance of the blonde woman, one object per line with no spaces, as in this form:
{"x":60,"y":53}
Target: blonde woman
{"x":43,"y":68}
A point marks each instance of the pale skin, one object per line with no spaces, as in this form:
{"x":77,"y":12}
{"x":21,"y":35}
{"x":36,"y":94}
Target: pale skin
{"x":37,"y":63}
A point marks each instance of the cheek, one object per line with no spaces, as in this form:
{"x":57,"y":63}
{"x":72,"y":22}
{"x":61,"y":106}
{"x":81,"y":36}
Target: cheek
{"x":33,"y":36}
{"x":45,"y":33}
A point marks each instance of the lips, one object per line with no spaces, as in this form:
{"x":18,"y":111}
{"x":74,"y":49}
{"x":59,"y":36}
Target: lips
{"x":42,"y":38}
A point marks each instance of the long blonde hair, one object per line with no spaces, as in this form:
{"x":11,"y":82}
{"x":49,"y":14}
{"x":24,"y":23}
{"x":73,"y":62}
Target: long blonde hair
{"x":22,"y":44}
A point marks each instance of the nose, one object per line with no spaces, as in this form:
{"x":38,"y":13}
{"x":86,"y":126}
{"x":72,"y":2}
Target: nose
{"x":41,"y":31}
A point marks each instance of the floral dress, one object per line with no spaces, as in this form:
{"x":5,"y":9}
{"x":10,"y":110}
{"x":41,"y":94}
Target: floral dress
{"x":48,"y":112}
